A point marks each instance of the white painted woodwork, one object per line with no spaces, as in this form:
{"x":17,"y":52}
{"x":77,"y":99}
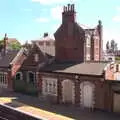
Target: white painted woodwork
{"x":68,"y":92}
{"x":49,"y":86}
{"x":87,"y":94}
{"x":3,"y":80}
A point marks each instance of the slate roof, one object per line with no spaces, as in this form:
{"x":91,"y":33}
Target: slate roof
{"x":86,"y":68}
{"x":48,"y":49}
{"x":7,"y":59}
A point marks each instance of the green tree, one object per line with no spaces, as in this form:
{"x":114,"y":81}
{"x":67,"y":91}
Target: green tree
{"x":107,"y":45}
{"x":113,"y":46}
{"x":15,"y":45}
{"x":1,"y":44}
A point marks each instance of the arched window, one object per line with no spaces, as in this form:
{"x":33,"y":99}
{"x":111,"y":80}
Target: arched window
{"x":19,"y":76}
{"x":31,"y":77}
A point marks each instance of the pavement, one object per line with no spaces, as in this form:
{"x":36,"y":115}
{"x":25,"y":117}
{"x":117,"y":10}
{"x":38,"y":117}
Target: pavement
{"x":50,"y":111}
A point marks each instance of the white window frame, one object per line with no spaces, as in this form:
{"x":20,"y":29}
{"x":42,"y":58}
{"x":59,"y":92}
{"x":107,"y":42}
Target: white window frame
{"x":49,"y":86}
{"x":36,"y":57}
{"x":4,"y":79}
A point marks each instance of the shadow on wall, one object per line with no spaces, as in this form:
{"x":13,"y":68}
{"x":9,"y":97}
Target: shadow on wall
{"x":26,"y":88}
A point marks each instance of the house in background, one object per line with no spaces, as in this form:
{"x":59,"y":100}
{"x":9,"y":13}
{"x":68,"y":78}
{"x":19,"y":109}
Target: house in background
{"x":108,"y":57}
{"x":46,"y":44}
{"x":10,"y":62}
{"x":9,"y":43}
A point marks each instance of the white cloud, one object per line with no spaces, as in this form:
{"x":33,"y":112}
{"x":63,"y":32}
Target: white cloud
{"x":48,"y":2}
{"x":56,"y":12}
{"x":116,"y":18}
{"x":42,"y":20}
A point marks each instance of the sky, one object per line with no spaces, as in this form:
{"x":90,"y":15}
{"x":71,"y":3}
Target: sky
{"x":27,"y":20}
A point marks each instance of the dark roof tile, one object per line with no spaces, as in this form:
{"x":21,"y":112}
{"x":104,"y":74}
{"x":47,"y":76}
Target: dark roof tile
{"x":88,"y":68}
{"x":5,"y":60}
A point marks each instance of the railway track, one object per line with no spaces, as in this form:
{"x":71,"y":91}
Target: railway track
{"x":8,"y":113}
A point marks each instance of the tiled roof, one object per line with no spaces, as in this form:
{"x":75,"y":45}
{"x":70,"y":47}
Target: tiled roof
{"x":87,"y":68}
{"x":49,"y":50}
{"x":5,"y":60}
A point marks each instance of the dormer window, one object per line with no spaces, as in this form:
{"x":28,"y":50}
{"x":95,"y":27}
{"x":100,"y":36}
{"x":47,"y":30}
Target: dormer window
{"x":36,"y":57}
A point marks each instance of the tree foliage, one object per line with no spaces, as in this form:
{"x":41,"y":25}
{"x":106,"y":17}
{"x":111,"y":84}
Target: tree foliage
{"x":111,"y":46}
{"x":1,"y":44}
{"x":13,"y":45}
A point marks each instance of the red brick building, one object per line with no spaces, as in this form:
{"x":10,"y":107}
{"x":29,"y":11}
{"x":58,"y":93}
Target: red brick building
{"x":78,"y":75}
{"x":38,"y":55}
{"x":73,"y":43}
{"x":10,"y":62}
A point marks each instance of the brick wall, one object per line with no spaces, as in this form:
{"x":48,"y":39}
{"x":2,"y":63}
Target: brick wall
{"x":102,"y":92}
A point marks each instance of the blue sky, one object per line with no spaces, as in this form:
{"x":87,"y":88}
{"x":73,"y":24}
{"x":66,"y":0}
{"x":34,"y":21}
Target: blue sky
{"x":29,"y":19}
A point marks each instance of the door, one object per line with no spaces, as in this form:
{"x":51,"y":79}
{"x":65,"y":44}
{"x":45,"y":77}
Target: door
{"x":87,"y":96}
{"x":67,"y":91}
{"x":116,"y":102}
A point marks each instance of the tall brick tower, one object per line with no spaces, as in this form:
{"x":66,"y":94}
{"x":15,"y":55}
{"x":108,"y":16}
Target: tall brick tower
{"x":97,"y":43}
{"x":69,"y":38}
{"x":100,"y":32}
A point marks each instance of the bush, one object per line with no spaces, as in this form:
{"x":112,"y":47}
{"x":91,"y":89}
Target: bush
{"x":117,"y":58}
{"x":25,"y":88}
{"x":19,"y":86}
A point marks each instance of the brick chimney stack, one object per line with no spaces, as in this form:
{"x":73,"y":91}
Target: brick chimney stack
{"x":45,"y":34}
{"x":100,"y":31}
{"x":68,"y":14}
{"x":5,"y":43}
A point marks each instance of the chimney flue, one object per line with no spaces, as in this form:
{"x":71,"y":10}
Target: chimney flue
{"x":64,"y":9}
{"x":72,"y":7}
{"x":5,"y":43}
{"x":68,"y":13}
{"x":68,"y":7}
{"x":45,"y":34}
{"x":99,"y":22}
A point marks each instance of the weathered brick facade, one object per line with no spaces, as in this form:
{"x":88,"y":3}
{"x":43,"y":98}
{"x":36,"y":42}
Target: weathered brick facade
{"x":103,"y":92}
{"x":72,"y":42}
{"x":75,"y":44}
{"x":72,"y":83}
